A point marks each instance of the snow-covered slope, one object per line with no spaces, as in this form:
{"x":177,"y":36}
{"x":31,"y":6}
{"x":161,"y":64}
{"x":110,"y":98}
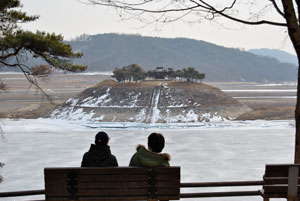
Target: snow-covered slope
{"x":150,"y":102}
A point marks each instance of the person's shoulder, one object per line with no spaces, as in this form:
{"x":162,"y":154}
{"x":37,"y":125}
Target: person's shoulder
{"x":166,"y":156}
{"x":140,"y":147}
{"x":113,"y":156}
{"x":86,"y":154}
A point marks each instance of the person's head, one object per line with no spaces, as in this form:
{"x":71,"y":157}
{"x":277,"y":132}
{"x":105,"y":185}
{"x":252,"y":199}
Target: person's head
{"x":156,"y":142}
{"x":101,"y":138}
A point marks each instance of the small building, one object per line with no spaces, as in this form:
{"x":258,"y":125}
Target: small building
{"x":162,"y":73}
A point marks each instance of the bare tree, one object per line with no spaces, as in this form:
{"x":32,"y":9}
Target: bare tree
{"x":284,"y":12}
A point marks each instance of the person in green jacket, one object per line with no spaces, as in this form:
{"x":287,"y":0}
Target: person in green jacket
{"x":151,"y":157}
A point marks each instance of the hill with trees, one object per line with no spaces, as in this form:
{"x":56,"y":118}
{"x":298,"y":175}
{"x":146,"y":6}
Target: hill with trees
{"x":105,"y":52}
{"x":136,"y":73}
{"x":150,"y":102}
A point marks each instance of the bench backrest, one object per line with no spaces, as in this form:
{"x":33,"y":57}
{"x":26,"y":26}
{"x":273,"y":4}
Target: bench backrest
{"x":118,"y":183}
{"x":282,"y":181}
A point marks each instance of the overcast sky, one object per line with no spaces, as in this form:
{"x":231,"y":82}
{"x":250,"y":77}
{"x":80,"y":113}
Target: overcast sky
{"x":71,"y":18}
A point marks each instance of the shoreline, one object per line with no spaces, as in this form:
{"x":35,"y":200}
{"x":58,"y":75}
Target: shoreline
{"x":21,"y":101}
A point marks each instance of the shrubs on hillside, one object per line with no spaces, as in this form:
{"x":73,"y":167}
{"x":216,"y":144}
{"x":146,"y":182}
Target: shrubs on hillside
{"x":41,"y":70}
{"x":136,"y":73}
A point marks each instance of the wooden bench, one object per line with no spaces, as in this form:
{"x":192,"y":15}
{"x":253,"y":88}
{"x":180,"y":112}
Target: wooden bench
{"x":118,"y":183}
{"x":281,"y":181}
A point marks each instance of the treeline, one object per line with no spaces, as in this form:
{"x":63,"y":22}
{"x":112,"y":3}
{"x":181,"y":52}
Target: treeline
{"x":136,"y":73}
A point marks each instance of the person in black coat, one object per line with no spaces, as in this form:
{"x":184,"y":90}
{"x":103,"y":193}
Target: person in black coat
{"x":99,"y":154}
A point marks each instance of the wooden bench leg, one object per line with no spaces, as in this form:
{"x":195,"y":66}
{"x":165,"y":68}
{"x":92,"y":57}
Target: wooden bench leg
{"x":266,"y":199}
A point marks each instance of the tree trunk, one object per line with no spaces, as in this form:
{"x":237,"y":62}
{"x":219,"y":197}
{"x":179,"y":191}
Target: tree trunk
{"x":297,"y":120}
{"x":294,"y":34}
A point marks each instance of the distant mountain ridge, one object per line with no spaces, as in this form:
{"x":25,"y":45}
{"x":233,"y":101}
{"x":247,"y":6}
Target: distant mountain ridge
{"x":282,"y":56}
{"x":104,"y":52}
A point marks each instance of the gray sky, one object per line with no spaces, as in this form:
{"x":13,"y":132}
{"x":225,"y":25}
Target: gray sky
{"x":71,"y":18}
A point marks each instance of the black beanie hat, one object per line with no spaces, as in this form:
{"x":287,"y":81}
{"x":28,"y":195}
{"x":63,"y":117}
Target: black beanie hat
{"x":101,"y":138}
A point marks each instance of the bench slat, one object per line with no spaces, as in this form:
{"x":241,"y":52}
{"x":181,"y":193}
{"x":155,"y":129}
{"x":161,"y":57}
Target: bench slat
{"x":121,"y":184}
{"x":275,"y":180}
{"x":114,"y":192}
{"x":276,"y":188}
{"x":165,"y":177}
{"x":168,"y":191}
{"x":112,"y":178}
{"x":112,"y":185}
{"x":168,"y":184}
{"x":118,"y":192}
{"x":278,"y":170}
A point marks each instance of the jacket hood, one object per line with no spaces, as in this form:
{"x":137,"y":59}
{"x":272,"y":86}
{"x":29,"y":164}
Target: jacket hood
{"x":99,"y":156}
{"x":164,"y":155}
{"x":99,"y":152}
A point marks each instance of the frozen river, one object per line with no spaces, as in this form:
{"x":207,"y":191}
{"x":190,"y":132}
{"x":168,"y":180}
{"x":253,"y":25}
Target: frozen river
{"x":224,"y":151}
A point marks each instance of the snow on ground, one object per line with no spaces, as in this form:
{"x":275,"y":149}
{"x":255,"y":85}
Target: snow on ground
{"x":216,"y":151}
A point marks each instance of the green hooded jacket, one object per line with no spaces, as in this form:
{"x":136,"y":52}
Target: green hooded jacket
{"x":146,"y":158}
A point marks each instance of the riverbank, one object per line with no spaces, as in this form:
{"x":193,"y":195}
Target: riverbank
{"x":269,"y":102}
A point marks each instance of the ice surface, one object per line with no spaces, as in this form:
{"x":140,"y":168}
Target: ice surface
{"x":279,"y":84}
{"x":259,"y":90}
{"x":213,"y":151}
{"x":265,"y":97}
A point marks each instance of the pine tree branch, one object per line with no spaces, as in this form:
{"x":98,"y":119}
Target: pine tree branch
{"x":16,"y":51}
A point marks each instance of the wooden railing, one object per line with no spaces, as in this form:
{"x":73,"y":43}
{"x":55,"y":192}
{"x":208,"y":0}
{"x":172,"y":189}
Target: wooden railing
{"x":221,"y":184}
{"x":182,"y":185}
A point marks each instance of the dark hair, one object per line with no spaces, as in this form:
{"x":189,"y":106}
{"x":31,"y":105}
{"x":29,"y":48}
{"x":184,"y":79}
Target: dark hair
{"x":101,"y":138}
{"x":156,"y":142}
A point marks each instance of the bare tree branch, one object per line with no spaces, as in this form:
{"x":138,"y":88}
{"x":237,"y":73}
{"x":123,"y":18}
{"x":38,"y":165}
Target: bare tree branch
{"x":129,"y":6}
{"x":277,"y":8}
{"x":221,"y":12}
{"x":30,"y":77}
{"x":196,"y":4}
{"x":33,"y":81}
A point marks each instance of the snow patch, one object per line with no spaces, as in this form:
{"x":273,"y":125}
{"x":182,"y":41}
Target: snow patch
{"x":96,"y":102}
{"x":141,"y":116}
{"x":72,"y":101}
